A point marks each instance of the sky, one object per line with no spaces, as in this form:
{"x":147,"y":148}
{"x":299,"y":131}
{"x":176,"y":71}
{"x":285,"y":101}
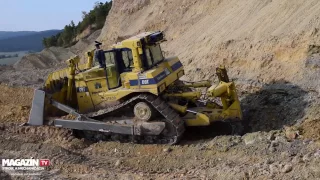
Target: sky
{"x":39,"y":15}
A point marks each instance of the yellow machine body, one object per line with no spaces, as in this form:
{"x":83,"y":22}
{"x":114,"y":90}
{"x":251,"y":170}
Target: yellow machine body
{"x":136,"y":65}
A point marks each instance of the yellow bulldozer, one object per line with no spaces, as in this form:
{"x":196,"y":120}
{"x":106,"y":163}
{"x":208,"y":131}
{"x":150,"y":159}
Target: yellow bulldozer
{"x":137,"y":97}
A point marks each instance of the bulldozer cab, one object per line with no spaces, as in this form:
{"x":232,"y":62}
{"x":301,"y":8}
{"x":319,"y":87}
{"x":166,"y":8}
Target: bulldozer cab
{"x":151,"y":56}
{"x":122,"y":61}
{"x":118,"y":61}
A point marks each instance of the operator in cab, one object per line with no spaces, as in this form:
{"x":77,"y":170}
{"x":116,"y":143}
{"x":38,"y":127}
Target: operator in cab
{"x":99,"y":55}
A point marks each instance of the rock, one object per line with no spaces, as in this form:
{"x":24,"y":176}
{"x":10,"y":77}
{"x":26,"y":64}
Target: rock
{"x":296,"y":160}
{"x":117,"y":163}
{"x":24,"y":119}
{"x":284,"y":154}
{"x":127,"y":177}
{"x":184,"y":171}
{"x":287,"y":168}
{"x":273,"y":168}
{"x":251,"y":138}
{"x":167,"y":149}
{"x":307,"y":157}
{"x":281,"y":139}
{"x":272,"y":149}
{"x":268,"y":161}
{"x":203,"y":147}
{"x":271,"y":136}
{"x":291,"y":133}
{"x":274,"y":144}
{"x":317,"y":153}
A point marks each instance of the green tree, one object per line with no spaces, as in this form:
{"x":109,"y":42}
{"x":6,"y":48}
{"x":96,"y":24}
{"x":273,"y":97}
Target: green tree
{"x":96,"y":17}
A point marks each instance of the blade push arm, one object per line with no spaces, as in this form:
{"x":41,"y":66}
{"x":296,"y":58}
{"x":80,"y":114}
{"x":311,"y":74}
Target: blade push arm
{"x":226,"y":90}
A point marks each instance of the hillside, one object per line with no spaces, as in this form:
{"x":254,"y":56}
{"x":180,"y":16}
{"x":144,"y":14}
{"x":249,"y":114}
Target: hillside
{"x":267,"y":46}
{"x":10,"y":34}
{"x":24,"y":41}
{"x":261,"y":41}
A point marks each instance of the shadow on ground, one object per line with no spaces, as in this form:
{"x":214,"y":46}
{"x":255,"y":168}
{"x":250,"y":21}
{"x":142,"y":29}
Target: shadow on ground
{"x":272,"y":107}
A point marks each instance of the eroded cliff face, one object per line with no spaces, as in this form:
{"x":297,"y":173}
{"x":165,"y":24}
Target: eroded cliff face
{"x":262,"y":41}
{"x":271,"y":49}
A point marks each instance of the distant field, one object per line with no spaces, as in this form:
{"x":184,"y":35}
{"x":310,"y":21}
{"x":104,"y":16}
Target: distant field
{"x":11,"y":61}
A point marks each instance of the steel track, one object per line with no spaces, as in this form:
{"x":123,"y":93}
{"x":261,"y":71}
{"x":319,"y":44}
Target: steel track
{"x":173,"y":132}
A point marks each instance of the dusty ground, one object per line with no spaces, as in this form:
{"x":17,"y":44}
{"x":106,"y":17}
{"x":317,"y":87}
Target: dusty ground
{"x":278,"y":153}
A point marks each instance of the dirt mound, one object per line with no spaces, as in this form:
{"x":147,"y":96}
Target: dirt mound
{"x":45,"y":59}
{"x":32,"y":69}
{"x":54,"y":56}
{"x":25,"y":77}
{"x":15,"y":103}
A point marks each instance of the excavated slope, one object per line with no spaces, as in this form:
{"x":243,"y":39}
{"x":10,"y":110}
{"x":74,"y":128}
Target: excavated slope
{"x":271,"y":49}
{"x":258,"y":40}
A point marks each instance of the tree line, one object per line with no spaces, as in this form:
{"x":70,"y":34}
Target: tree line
{"x":96,"y":18}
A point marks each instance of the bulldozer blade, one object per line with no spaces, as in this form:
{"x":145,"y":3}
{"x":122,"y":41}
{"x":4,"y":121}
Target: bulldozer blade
{"x":144,"y":128}
{"x":37,"y":108}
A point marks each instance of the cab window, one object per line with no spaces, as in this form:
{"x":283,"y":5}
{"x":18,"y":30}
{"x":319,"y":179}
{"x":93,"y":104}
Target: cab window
{"x":156,"y":53}
{"x":109,"y":57}
{"x":153,"y":55}
{"x":149,"y":58}
{"x":127,"y":58}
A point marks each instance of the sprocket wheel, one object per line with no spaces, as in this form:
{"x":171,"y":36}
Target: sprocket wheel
{"x":143,"y":111}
